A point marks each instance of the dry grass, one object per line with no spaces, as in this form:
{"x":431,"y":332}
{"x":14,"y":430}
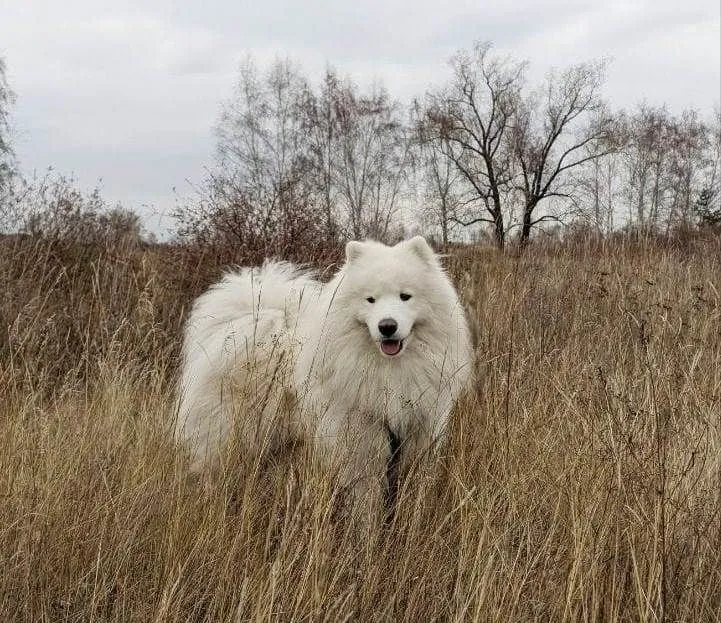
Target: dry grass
{"x":581,"y":480}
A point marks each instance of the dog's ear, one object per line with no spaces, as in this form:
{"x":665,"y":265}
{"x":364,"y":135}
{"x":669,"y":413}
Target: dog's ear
{"x":422,"y":249}
{"x":353,"y":250}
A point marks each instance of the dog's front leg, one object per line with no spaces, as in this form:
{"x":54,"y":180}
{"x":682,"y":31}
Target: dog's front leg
{"x":422,"y":440}
{"x":357,"y":451}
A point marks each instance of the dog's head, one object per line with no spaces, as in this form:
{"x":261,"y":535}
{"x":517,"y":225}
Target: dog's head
{"x":390,"y":290}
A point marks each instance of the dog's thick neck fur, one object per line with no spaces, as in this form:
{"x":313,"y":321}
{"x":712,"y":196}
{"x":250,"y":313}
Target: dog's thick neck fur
{"x":376,"y":383}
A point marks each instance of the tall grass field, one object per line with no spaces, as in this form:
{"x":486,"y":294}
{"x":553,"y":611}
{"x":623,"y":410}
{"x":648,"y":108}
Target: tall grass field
{"x":580,"y":481}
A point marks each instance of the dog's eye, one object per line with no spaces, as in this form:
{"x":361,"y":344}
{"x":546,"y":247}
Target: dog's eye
{"x":370,"y":299}
{"x":404,"y":296}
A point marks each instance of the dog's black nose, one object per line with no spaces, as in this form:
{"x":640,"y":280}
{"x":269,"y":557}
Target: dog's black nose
{"x":387,"y":327}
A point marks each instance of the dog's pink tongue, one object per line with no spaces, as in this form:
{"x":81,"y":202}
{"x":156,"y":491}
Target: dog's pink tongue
{"x":391,"y":347}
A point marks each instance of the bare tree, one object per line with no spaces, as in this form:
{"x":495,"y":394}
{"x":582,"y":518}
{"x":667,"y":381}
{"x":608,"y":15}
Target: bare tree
{"x":689,"y":139}
{"x":644,"y":158}
{"x":360,"y":154}
{"x":322,"y":124}
{"x":7,"y":158}
{"x":667,"y":171}
{"x":259,"y":197}
{"x":7,"y":98}
{"x":598,"y":193}
{"x":468,"y":120}
{"x":373,"y":154}
{"x":441,"y":185}
{"x":293,"y":164}
{"x":555,"y":132}
{"x":708,"y":203}
{"x":262,"y":143}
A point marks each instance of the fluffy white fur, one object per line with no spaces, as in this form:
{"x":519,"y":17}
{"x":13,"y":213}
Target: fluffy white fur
{"x":271,"y":349}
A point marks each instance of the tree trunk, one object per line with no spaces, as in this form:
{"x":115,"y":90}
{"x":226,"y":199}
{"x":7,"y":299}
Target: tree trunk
{"x":499,"y":231}
{"x":444,"y":223}
{"x":527,"y":224}
{"x":499,"y":228}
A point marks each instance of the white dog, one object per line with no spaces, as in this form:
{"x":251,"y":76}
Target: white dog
{"x":365,"y":365}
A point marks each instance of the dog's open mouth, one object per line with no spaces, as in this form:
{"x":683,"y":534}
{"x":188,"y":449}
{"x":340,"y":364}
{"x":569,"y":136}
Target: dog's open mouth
{"x":391,"y":347}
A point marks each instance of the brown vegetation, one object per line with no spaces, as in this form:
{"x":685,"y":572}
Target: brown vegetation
{"x":580,"y":479}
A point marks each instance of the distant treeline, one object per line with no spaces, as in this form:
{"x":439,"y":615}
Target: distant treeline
{"x":486,"y":154}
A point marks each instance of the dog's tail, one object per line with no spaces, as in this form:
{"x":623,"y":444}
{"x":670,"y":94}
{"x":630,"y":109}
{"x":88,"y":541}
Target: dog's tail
{"x":232,"y":327}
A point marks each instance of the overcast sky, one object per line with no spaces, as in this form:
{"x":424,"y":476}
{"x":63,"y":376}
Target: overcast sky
{"x":128,"y":92}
